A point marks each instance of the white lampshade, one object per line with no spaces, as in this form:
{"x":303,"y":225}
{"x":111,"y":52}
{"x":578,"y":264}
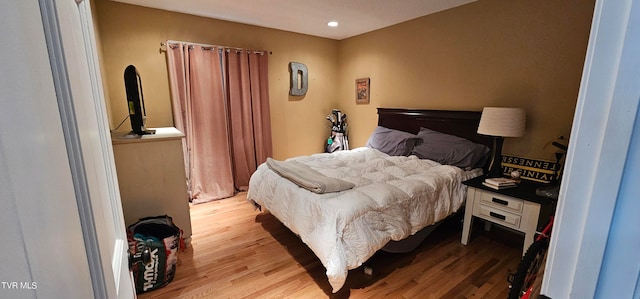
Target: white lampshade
{"x":502,"y":121}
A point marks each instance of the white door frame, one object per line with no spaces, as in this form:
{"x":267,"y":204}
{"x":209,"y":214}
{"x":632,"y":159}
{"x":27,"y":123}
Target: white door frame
{"x":68,"y":27}
{"x":598,"y":152}
{"x":44,"y":249}
{"x":73,"y":144}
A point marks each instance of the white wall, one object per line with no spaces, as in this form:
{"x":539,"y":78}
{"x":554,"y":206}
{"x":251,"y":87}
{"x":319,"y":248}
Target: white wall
{"x":42,"y":243}
{"x":620,"y":272}
{"x":621,"y":265}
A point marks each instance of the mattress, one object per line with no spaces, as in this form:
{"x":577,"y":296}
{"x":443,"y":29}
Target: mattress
{"x":394,"y":197}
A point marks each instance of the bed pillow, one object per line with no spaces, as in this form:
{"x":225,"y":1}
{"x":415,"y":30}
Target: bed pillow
{"x":450,"y":150}
{"x":392,"y":142}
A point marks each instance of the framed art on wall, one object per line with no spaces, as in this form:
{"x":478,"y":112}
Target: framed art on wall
{"x":362,"y":91}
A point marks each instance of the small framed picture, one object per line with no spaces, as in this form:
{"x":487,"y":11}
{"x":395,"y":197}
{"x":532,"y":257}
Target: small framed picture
{"x":362,"y":91}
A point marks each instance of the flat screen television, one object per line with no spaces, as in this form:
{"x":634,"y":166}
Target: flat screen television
{"x":135,"y":101}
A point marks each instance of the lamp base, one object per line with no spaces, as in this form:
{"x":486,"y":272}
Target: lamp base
{"x":495,"y":166}
{"x":495,"y":172}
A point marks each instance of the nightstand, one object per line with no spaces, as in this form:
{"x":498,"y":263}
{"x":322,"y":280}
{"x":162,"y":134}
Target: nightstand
{"x":518,"y":208}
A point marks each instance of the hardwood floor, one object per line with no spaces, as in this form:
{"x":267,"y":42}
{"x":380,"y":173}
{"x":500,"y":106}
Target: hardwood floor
{"x":237,"y":252}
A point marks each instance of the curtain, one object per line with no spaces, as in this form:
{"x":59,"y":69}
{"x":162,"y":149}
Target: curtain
{"x":176,"y":61}
{"x":220,"y":101}
{"x":249,"y":109}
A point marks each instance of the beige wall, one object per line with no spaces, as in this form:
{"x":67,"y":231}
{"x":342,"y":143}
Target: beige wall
{"x":488,"y":53}
{"x":132,"y":34}
{"x":525,"y":53}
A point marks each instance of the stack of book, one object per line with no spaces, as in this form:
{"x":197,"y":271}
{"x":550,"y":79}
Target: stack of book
{"x":499,"y":183}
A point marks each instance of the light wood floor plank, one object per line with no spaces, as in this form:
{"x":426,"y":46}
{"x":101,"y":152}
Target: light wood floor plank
{"x":238,"y":252}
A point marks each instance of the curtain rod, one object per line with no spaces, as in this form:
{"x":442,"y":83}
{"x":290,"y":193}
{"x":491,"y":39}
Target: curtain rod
{"x":165,"y":44}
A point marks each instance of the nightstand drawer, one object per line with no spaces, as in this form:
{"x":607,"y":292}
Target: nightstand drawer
{"x":499,"y":216}
{"x":501,"y":201}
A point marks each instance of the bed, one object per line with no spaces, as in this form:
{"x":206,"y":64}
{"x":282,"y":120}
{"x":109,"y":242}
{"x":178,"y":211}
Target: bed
{"x":388,"y":194}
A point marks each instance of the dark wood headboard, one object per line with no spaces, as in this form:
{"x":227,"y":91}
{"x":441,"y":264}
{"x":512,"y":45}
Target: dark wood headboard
{"x":460,"y":123}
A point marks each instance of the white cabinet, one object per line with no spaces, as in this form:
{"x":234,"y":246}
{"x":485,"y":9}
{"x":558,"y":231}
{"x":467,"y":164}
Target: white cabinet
{"x":152,"y":178}
{"x":517,"y":208}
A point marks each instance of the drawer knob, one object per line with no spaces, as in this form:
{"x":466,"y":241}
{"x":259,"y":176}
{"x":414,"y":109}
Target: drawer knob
{"x":496,"y":215}
{"x":500,"y":201}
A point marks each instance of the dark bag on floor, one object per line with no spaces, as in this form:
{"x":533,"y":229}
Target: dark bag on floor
{"x":163,"y":239}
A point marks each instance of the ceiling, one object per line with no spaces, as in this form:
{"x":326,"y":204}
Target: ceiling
{"x":308,"y":16}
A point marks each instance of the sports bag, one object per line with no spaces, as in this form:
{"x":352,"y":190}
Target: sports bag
{"x":159,"y":239}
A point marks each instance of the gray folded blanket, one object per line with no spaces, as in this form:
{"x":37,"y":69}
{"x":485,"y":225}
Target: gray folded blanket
{"x":305,"y":177}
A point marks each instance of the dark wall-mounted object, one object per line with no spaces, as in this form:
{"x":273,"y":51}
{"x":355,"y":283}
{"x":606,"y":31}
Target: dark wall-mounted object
{"x":299,"y":79}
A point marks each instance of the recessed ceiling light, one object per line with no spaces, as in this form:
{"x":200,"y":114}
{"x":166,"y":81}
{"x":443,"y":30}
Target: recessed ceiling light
{"x":332,"y":24}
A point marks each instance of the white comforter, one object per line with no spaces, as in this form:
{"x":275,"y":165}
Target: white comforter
{"x":393,"y":198}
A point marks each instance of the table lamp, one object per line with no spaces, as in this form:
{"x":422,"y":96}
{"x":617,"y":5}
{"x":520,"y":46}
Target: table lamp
{"x":500,"y":122}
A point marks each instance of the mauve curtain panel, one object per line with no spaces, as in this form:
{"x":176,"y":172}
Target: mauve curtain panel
{"x":260,"y":98}
{"x":179,"y":89}
{"x":249,"y":110}
{"x":220,"y":99}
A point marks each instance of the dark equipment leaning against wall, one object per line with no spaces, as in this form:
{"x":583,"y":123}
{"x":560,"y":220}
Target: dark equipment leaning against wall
{"x":337,"y":140}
